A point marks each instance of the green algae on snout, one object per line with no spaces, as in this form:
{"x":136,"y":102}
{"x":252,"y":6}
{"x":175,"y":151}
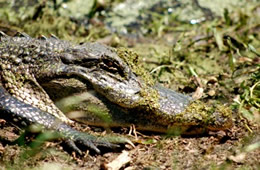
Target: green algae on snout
{"x":214,"y":117}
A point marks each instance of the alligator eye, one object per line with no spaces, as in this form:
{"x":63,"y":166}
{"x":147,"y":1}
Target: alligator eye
{"x":111,"y":66}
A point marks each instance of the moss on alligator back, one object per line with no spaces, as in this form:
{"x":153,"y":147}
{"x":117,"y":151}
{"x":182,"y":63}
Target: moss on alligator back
{"x":149,"y":94}
{"x":133,"y":61}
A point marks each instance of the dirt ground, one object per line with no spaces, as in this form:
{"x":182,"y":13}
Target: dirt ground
{"x":234,"y":149}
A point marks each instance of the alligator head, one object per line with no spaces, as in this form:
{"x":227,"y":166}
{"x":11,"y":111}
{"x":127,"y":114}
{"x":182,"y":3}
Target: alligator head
{"x":130,"y":96}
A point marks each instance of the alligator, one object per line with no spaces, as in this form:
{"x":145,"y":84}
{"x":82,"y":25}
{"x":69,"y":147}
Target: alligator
{"x":36,"y":72}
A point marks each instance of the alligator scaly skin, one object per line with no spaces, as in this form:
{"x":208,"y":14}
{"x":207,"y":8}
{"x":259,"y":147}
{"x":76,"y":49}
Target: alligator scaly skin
{"x":24,"y":60}
{"x":26,"y":63}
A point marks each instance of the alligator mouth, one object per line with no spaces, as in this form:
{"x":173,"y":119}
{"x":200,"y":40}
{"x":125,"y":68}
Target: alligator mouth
{"x":171,"y":112}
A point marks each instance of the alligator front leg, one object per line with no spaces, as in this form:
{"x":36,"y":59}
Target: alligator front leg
{"x":14,"y":110}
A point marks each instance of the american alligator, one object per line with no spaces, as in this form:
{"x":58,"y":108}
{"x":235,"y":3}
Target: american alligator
{"x":32,"y":67}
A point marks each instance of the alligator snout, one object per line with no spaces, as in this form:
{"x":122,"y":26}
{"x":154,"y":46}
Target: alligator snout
{"x":182,"y":112}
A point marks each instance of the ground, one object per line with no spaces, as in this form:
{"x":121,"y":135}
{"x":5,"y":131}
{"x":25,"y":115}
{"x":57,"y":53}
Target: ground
{"x":236,"y":149}
{"x":219,"y":56}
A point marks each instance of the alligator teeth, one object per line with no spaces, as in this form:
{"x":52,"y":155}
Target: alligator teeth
{"x":2,"y":34}
{"x":54,"y":37}
{"x":42,"y":37}
{"x":22,"y":34}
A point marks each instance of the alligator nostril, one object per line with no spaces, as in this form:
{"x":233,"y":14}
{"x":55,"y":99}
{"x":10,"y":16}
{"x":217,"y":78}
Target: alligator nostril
{"x":137,"y":92}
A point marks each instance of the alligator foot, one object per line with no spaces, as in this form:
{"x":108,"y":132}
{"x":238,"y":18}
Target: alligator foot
{"x":24,"y":114}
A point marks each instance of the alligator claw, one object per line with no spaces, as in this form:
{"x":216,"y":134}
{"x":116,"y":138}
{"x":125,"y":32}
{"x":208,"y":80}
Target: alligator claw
{"x":93,"y":142}
{"x":71,"y":144}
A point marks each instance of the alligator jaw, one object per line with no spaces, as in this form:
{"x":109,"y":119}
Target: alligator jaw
{"x":166,"y":115}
